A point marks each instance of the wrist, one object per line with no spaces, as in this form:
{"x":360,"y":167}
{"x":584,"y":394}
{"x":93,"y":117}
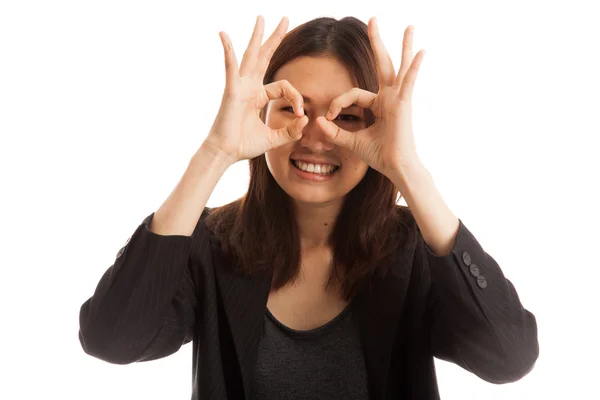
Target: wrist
{"x":208,"y":151}
{"x":211,"y":149}
{"x":407,"y":171}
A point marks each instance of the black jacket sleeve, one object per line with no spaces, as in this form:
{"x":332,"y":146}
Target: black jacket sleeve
{"x":476,"y":318}
{"x":144,"y":306}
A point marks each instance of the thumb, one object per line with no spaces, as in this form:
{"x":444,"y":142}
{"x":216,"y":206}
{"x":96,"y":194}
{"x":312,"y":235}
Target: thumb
{"x":291,"y":132}
{"x":337,"y":135}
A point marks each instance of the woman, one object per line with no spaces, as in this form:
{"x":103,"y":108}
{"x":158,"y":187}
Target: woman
{"x":315,"y":284}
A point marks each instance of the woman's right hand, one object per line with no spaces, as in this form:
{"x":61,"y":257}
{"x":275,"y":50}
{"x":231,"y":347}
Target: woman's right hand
{"x":238,"y":132}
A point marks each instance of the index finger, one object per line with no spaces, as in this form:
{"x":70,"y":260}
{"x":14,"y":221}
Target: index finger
{"x":360,"y":97}
{"x":284,"y":89}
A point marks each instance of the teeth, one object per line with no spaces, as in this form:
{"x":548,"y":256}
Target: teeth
{"x":315,"y":168}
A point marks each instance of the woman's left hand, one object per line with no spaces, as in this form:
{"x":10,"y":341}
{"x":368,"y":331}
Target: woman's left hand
{"x":388,"y":144}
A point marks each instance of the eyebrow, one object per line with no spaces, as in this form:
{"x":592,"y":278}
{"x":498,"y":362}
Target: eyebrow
{"x":308,"y":100}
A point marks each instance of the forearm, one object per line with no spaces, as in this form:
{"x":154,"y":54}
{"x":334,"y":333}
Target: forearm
{"x":477,"y":320}
{"x":474,"y":314}
{"x":123,"y":321}
{"x":180,"y":212}
{"x":436,"y":221}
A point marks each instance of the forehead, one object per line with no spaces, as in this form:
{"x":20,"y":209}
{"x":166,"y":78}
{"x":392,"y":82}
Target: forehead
{"x":319,"y":78}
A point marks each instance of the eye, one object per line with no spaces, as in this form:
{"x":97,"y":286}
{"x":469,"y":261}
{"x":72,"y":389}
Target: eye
{"x":340,"y":117}
{"x":348,"y":117}
{"x":288,"y":108}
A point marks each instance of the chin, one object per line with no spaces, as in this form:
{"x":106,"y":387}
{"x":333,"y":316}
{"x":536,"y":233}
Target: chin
{"x":316,"y":197}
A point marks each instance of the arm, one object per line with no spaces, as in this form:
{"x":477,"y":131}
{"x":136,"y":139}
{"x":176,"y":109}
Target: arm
{"x":143,"y":307}
{"x":474,"y":313}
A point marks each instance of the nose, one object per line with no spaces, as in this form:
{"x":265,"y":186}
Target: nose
{"x":314,"y":138}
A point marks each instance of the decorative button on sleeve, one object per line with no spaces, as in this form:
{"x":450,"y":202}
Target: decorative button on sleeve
{"x":122,"y":250}
{"x":481,"y":281}
{"x":466,"y":258}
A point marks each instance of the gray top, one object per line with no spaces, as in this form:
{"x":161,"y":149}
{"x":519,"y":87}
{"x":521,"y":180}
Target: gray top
{"x":321,"y":363}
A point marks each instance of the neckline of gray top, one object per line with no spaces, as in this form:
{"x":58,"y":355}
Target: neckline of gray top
{"x":310,"y":333}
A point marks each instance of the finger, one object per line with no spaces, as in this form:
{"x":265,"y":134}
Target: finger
{"x":293,"y":131}
{"x":284,"y":89}
{"x":249,"y":58}
{"x":231,"y":65}
{"x":408,"y":83}
{"x":407,"y":55}
{"x":360,"y":97}
{"x":337,"y":135}
{"x":268,"y":49}
{"x":385,"y":67}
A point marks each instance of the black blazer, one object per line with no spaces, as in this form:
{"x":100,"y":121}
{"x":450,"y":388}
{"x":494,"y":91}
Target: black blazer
{"x":165,"y":291}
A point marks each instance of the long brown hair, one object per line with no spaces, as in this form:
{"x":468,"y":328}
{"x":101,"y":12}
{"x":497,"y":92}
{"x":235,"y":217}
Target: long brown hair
{"x":258,"y":232}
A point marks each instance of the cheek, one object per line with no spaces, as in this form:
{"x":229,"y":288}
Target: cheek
{"x":355,"y":167}
{"x":277,"y":159}
{"x":352,"y":159}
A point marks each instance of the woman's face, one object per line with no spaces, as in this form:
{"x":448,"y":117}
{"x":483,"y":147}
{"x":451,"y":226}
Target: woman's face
{"x":319,"y":80}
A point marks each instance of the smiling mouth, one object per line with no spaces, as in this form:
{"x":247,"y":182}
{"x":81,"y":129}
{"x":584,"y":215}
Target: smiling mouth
{"x":328,"y":171}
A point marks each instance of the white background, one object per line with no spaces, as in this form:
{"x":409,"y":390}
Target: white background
{"x":102,"y":104}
